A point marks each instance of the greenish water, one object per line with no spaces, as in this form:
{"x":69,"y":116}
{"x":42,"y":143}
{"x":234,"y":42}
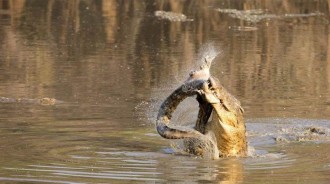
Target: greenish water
{"x":111,"y":63}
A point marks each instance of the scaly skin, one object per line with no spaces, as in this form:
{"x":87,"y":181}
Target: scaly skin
{"x":168,"y":107}
{"x":190,"y":87}
{"x":227,"y":121}
{"x":227,"y":124}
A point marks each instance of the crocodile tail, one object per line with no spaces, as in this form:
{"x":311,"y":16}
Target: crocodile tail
{"x":169,"y":106}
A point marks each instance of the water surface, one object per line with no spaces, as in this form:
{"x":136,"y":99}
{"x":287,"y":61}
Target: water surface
{"x":109,"y":64}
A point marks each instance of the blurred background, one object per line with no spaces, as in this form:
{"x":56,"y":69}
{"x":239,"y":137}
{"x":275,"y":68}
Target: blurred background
{"x":111,"y":62}
{"x":100,"y":51}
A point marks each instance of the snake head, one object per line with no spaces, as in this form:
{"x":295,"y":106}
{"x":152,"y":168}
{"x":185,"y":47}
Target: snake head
{"x":203,"y":73}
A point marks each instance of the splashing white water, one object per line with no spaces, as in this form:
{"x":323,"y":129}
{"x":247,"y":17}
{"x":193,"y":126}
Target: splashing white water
{"x":186,"y":113}
{"x":207,"y":50}
{"x":204,"y":146}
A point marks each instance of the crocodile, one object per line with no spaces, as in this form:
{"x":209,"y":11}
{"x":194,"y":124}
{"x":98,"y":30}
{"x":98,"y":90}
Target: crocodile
{"x":171,"y":16}
{"x":220,"y":116}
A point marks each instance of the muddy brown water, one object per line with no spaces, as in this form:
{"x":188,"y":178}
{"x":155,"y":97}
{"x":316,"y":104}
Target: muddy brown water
{"x":111,"y":63}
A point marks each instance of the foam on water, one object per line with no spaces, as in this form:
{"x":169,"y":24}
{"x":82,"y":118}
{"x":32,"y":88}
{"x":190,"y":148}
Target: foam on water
{"x":287,"y":130}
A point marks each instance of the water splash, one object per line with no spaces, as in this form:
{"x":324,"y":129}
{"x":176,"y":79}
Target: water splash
{"x":204,"y":146}
{"x":185,"y":115}
{"x":186,"y":112}
{"x":207,"y":50}
{"x":287,"y":130}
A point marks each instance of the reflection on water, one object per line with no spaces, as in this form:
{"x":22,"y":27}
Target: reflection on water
{"x":111,"y":62}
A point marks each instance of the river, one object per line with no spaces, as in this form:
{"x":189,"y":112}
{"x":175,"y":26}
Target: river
{"x":109,"y":64}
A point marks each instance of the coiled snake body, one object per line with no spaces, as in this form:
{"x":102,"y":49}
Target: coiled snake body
{"x":220,"y":114}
